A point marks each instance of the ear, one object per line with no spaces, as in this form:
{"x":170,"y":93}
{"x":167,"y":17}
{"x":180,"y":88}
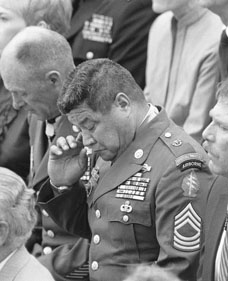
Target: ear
{"x":43,"y":24}
{"x":54,"y":78}
{"x":4,"y":232}
{"x":122,"y":101}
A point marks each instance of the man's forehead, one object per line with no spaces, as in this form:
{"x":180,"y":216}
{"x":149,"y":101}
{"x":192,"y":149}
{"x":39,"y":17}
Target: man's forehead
{"x":80,"y":113}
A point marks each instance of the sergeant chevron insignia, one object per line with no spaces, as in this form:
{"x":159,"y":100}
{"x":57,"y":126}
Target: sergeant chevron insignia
{"x":187,"y":230}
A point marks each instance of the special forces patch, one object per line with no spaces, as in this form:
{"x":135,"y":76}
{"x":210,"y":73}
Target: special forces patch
{"x":187,"y":230}
{"x":190,"y":185}
{"x":98,"y":29}
{"x":134,"y":187}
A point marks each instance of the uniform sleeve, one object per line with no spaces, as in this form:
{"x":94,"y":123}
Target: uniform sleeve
{"x":180,"y":201}
{"x":130,"y":36}
{"x":68,"y":261}
{"x":207,"y":80}
{"x":69,"y":209}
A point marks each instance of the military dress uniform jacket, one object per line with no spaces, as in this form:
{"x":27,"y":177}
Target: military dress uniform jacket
{"x":114,"y":29}
{"x":70,"y":252}
{"x":147,"y":207}
{"x":216,"y":213}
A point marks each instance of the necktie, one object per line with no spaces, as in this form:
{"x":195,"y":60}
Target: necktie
{"x":223,"y":272}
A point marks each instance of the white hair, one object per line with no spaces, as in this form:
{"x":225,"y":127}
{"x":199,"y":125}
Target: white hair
{"x":17,"y":207}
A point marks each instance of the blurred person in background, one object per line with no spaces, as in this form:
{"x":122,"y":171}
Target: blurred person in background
{"x":114,"y":29}
{"x":182,"y":66}
{"x":220,"y":7}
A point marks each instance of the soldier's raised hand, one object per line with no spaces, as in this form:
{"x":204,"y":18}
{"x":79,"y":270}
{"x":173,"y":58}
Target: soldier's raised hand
{"x":67,"y":160}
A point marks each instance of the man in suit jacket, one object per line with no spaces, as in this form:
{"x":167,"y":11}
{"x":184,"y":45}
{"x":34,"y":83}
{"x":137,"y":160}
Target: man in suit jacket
{"x":17,"y":218}
{"x":216,"y":144}
{"x":114,"y":29}
{"x":220,"y":7}
{"x":46,"y":59}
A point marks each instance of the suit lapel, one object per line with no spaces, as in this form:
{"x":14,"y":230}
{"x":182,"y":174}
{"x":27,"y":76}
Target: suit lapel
{"x":213,"y":234}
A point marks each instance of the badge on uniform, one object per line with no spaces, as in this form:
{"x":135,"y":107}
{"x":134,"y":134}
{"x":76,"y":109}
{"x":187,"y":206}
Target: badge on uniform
{"x":98,"y":29}
{"x":189,"y":161}
{"x":190,"y":185}
{"x":187,"y":230}
{"x":135,"y":187}
{"x":92,"y":181}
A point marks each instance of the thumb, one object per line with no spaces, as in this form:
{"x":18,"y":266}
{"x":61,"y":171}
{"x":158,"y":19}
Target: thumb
{"x":83,"y":159}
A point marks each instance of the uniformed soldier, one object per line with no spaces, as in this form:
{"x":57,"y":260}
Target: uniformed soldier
{"x":46,"y":59}
{"x":144,"y":202}
{"x":114,"y":29}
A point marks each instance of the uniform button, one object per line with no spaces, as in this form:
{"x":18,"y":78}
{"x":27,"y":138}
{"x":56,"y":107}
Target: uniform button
{"x":125,"y":218}
{"x":168,"y":134}
{"x":50,"y":233}
{"x":47,"y":250}
{"x":96,"y":239}
{"x":98,"y":214}
{"x":138,"y":153}
{"x":45,"y":213}
{"x":89,"y":55}
{"x":94,"y":265}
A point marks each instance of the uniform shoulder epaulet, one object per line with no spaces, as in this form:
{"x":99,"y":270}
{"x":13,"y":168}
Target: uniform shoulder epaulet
{"x":185,"y":154}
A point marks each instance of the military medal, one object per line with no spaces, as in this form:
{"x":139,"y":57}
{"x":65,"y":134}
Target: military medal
{"x":136,"y":186}
{"x":92,"y":181}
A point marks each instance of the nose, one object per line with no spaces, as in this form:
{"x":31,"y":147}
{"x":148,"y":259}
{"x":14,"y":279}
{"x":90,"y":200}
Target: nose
{"x":208,"y":133}
{"x":87,"y":139}
{"x":17,"y":101}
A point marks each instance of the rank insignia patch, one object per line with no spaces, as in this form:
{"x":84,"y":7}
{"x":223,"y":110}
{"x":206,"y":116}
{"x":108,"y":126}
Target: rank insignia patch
{"x":98,"y":29}
{"x":134,"y":188}
{"x":187,"y":230}
{"x":190,"y":185}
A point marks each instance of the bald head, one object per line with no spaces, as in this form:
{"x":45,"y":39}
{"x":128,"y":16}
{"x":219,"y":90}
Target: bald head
{"x":33,"y":66}
{"x":38,"y":48}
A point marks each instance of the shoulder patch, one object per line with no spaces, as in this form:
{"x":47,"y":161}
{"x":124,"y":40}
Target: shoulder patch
{"x":190,"y":161}
{"x":187,"y":230}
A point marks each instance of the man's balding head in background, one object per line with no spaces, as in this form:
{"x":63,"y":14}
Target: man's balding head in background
{"x":34,"y":66}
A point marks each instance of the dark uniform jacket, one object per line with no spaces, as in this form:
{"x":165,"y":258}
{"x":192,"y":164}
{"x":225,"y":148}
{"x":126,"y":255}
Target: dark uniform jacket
{"x":147,"y":207}
{"x":72,"y":255}
{"x":14,"y":137}
{"x":114,"y":29}
{"x":216,"y":213}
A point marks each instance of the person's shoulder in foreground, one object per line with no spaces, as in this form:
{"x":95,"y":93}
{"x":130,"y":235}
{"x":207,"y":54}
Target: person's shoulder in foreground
{"x":17,"y":219}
